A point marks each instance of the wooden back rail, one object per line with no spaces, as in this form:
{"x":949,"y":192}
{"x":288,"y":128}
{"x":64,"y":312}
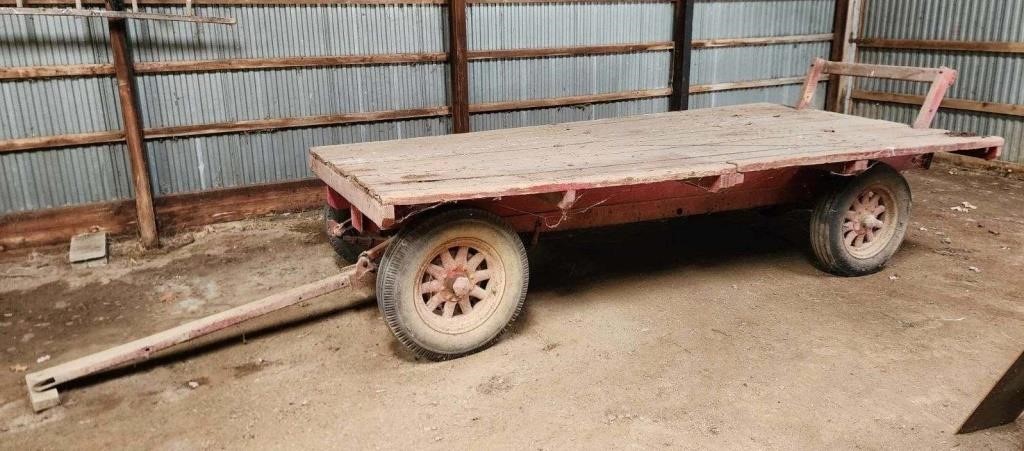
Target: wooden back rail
{"x":941,"y":79}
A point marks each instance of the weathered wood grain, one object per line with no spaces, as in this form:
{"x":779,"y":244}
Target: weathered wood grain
{"x":620,"y":151}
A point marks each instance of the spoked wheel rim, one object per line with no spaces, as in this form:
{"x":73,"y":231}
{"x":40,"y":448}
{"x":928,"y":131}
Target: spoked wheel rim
{"x":870,"y":222}
{"x":460,"y":286}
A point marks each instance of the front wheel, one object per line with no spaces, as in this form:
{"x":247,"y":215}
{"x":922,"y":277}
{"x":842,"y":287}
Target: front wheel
{"x":858,"y":225}
{"x":450,"y":284}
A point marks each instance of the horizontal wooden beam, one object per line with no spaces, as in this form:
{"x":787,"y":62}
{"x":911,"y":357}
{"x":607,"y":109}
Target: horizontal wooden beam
{"x":176,"y":212}
{"x":212,"y":65}
{"x":66,"y":70}
{"x":550,"y":102}
{"x":922,"y":74}
{"x":1007,"y":109}
{"x":58,"y":225}
{"x":311,"y":2}
{"x":56,"y":141}
{"x":768,"y":40}
{"x":101,"y":13}
{"x":477,"y":55}
{"x":171,"y":3}
{"x":748,"y":84}
{"x":179,"y":212}
{"x":262,"y":125}
{"x":165,"y":67}
{"x":940,"y":45}
{"x":219,"y":128}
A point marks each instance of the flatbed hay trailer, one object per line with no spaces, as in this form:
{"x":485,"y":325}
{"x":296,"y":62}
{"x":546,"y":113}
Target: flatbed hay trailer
{"x":436,"y":224}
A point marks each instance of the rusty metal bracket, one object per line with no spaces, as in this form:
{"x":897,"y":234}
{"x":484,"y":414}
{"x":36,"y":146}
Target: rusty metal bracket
{"x":851,"y":168}
{"x":364,"y":277}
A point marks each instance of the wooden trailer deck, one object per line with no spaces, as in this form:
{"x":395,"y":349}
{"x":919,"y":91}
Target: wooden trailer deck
{"x":378,"y":176}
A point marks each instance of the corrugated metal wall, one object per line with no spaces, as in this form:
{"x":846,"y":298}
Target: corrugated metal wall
{"x":984,"y":77}
{"x":715,"y":19}
{"x":51,"y":178}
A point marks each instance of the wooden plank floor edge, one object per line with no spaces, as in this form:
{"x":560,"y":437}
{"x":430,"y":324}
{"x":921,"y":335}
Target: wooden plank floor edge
{"x":174,"y":213}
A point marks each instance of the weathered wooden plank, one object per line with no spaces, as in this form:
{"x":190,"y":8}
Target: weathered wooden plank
{"x":539,"y":52}
{"x":174,"y":213}
{"x":383,"y":215}
{"x":230,"y":2}
{"x":75,"y":139}
{"x":746,"y":84}
{"x":596,"y":150}
{"x":670,"y":159}
{"x":1007,"y":109}
{"x":246,"y":126}
{"x":767,"y":40}
{"x":922,"y":74}
{"x":942,"y":45}
{"x":622,"y":151}
{"x":568,"y":100}
{"x":101,"y":13}
{"x":717,"y":123}
{"x":70,"y":70}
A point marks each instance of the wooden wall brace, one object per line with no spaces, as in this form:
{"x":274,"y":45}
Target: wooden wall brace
{"x":133,"y":132}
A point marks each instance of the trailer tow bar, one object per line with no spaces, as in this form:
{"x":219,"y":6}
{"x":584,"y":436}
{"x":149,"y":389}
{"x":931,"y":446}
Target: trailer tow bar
{"x":42,"y":385}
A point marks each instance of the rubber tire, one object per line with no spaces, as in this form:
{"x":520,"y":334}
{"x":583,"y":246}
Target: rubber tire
{"x":828,"y":217}
{"x":346,"y":250}
{"x":397,"y":275}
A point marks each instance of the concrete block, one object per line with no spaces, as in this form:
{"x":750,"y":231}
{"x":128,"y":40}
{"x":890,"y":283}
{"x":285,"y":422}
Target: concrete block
{"x":42,"y":400}
{"x":88,"y":250}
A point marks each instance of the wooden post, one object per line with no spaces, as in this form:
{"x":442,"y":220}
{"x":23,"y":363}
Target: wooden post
{"x":839,"y":22}
{"x":853,"y":10}
{"x":458,"y":59}
{"x":682,"y":37}
{"x":125,"y":73}
{"x":811,"y":83}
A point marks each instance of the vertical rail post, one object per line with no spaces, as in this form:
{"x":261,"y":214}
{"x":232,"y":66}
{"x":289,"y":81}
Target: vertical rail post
{"x":839,"y":37}
{"x":933,"y":100}
{"x":811,"y":83}
{"x":682,"y":52}
{"x":124,"y":71}
{"x":459,"y":65}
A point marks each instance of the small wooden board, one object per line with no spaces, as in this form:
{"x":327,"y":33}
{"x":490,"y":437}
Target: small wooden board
{"x":378,"y":176}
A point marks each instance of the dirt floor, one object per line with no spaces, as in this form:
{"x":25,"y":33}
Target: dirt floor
{"x":709,"y":332}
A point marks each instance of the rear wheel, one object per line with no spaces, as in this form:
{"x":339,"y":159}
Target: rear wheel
{"x":450,"y":284}
{"x":859,"y":224}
